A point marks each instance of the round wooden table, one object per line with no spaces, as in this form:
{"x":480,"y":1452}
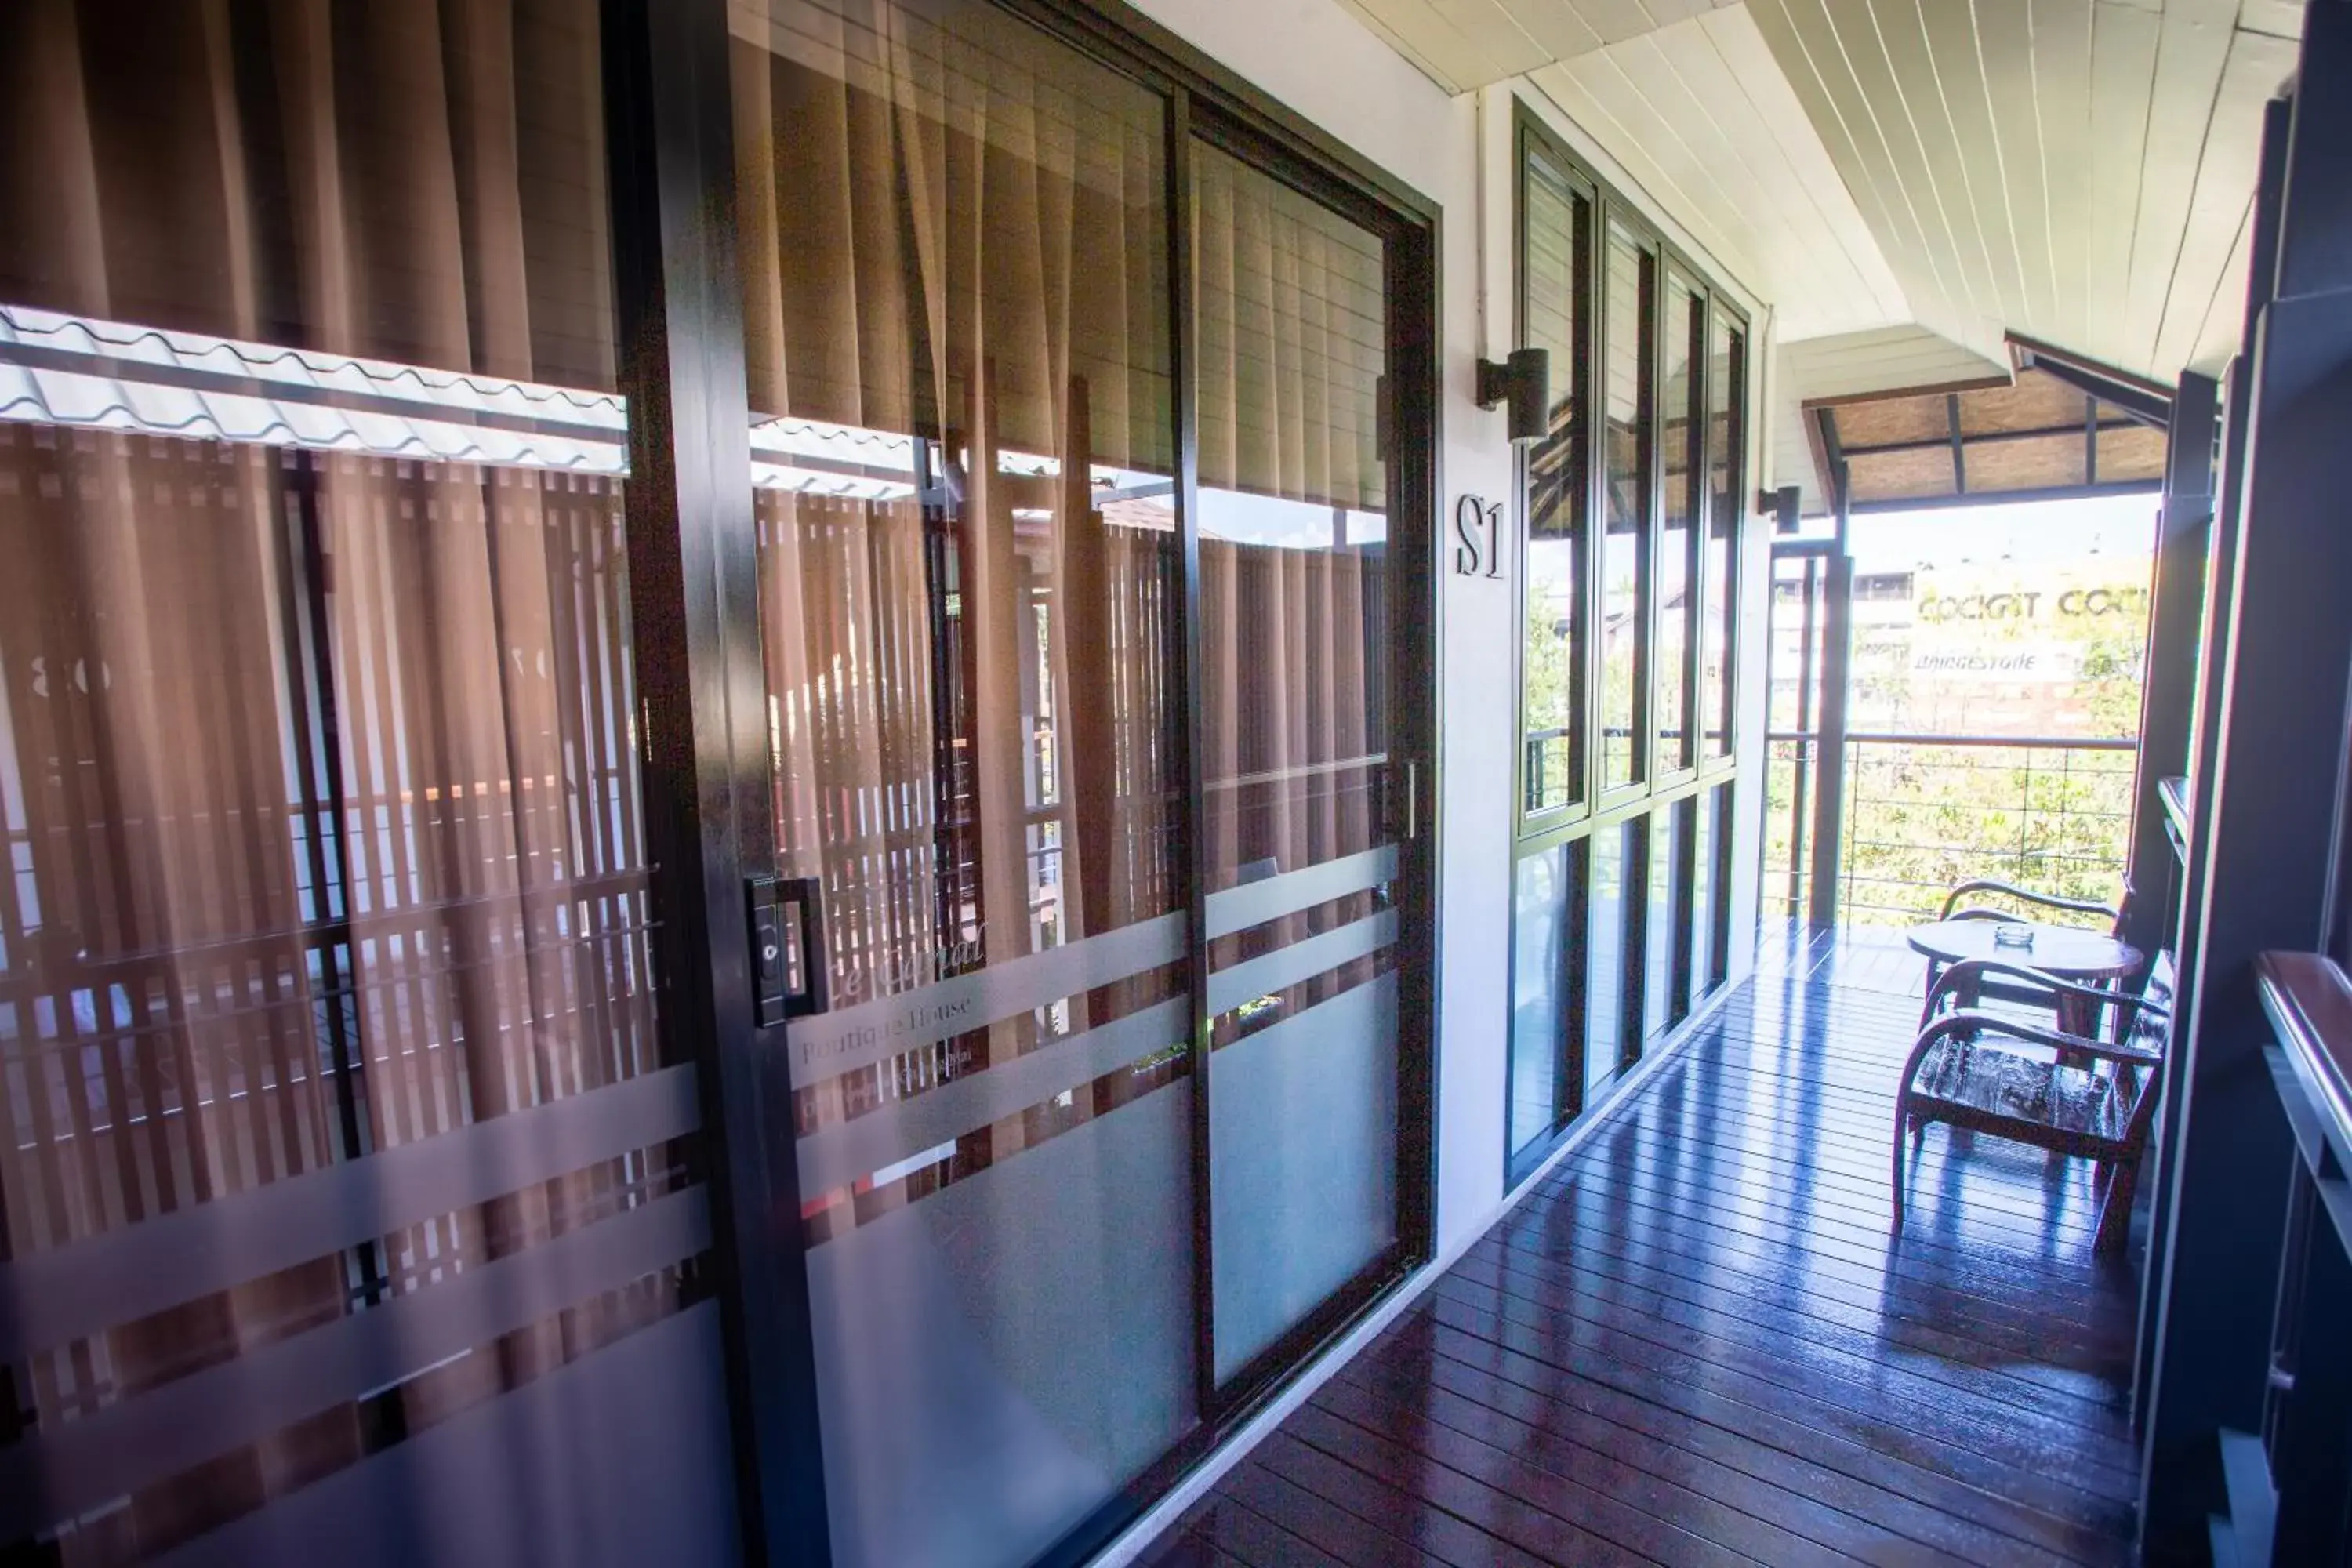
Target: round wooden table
{"x":2064,"y":953}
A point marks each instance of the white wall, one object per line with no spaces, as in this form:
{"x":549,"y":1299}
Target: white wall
{"x":1316,"y":57}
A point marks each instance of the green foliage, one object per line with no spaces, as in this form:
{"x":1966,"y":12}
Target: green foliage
{"x":1547,"y":662}
{"x":1920,"y":819}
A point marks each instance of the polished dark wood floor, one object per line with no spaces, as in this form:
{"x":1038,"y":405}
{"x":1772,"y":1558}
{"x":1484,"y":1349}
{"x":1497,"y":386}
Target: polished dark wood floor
{"x":1694,"y":1344}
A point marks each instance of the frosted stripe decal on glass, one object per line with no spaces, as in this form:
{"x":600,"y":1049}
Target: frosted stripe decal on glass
{"x":984,"y":1392}
{"x":837,"y":1155}
{"x":1286,"y":967}
{"x":118,"y":1277}
{"x":1254,"y":903}
{"x":851,"y":1038}
{"x":1302,"y":1127}
{"x":121,"y":1449}
{"x":472,"y":1491}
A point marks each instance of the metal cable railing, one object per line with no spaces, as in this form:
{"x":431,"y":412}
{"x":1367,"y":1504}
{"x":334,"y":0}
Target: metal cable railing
{"x":1923,"y":812}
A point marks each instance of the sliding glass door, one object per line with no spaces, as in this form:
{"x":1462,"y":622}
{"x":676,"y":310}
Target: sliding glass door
{"x":1302,"y":790}
{"x":960,"y":368}
{"x":1079,"y":630}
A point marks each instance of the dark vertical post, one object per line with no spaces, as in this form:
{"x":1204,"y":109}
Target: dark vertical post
{"x":1193,"y":854}
{"x":2168,"y":682}
{"x":1415,"y":391}
{"x":2266,"y":814}
{"x":694,"y":607}
{"x":2205,"y":736}
{"x":2187,"y":540}
{"x":1837,"y":663}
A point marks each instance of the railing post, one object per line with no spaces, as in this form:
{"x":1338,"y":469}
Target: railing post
{"x":1837,"y":660}
{"x":2168,"y":672}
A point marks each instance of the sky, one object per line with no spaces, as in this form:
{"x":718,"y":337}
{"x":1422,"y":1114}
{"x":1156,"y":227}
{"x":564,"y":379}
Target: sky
{"x":1944,"y":537}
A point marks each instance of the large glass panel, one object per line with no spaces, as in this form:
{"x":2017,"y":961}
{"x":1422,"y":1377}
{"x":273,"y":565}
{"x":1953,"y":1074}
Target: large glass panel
{"x":1609,"y":932}
{"x":1682,"y":429}
{"x":1664,"y":998}
{"x":1727,"y":439}
{"x":1299,"y":859}
{"x":1718,"y":907}
{"x":318,"y":790}
{"x":1704,"y":849}
{"x":1629,"y":313}
{"x":1547,"y":1033}
{"x":954,"y":269}
{"x":1555,"y":275}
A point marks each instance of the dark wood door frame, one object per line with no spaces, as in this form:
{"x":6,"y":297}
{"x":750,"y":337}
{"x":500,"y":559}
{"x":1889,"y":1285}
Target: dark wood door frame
{"x":695,"y":613}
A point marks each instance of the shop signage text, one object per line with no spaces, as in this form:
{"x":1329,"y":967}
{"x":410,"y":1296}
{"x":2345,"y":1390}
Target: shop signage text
{"x":2027,"y":605}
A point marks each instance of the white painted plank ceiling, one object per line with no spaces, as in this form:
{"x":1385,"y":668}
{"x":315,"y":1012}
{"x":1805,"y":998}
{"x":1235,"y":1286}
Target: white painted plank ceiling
{"x":2073,"y":170}
{"x":1699,"y":116}
{"x":2078,"y":171}
{"x":1464,"y":44}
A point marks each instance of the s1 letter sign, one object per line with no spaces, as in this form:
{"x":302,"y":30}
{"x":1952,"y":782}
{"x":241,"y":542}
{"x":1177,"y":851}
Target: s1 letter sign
{"x":1478,"y":537}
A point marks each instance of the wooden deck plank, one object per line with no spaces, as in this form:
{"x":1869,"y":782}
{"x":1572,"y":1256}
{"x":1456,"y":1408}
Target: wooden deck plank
{"x":1389,"y":1509}
{"x":1320,"y":1522}
{"x":1697,"y":1341}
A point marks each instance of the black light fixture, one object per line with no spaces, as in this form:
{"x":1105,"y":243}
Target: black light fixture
{"x":1785,"y":504}
{"x":1523,"y":381}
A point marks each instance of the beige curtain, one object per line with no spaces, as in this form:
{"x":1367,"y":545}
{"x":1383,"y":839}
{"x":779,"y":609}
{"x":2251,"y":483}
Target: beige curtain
{"x":1294,"y":342}
{"x":318,"y":777}
{"x":1293,"y":329}
{"x":1289,"y":705}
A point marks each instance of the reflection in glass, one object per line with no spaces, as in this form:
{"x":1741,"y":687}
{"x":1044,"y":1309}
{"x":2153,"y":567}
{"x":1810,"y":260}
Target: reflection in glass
{"x":1292,"y":350}
{"x":1547,"y":1035}
{"x":954,"y":264}
{"x":1726,"y":493}
{"x":318,"y":795}
{"x":1663,"y":1002}
{"x":1555,"y":272}
{"x":1718,"y":965}
{"x":1681,"y":428}
{"x":1608,"y":934}
{"x":1716,"y":907}
{"x":1630,"y":391}
{"x":1701,"y":912}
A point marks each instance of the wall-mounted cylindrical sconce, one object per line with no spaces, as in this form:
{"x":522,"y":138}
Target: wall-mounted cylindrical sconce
{"x":1523,"y":381}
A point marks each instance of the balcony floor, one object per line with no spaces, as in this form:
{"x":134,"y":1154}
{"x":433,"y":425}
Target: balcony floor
{"x":1693,"y":1344}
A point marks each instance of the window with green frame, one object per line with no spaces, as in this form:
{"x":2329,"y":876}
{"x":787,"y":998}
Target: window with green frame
{"x":1555,"y":314}
{"x":1631,"y":515}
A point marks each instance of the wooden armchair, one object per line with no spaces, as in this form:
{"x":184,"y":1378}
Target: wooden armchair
{"x":1952,"y":910}
{"x":2095,"y":1099}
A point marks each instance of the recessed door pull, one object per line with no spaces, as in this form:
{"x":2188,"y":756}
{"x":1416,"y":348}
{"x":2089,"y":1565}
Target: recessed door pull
{"x":786,"y":921}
